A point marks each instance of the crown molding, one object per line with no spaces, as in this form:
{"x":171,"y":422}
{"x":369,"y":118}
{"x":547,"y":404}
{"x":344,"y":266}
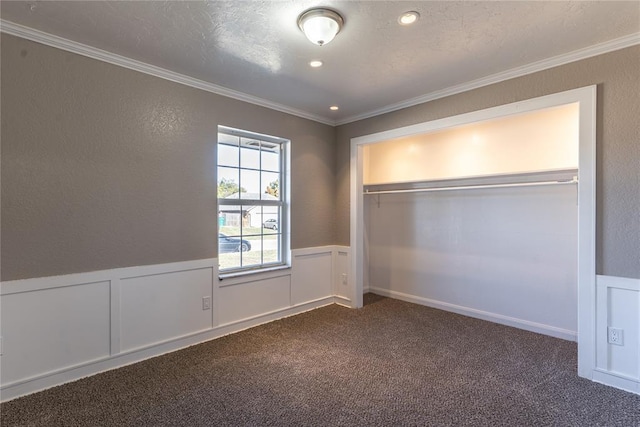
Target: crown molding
{"x":14,"y":29}
{"x":41,"y":37}
{"x":576,"y":55}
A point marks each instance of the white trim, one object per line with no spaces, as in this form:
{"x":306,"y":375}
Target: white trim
{"x":50,"y":282}
{"x":545,"y":64}
{"x":258,"y":276}
{"x":320,"y":302}
{"x":318,"y":250}
{"x":586,"y":97}
{"x":356,"y":226}
{"x":342,"y":301}
{"x":38,"y":36}
{"x":114,"y":316}
{"x":246,"y":276}
{"x":618,"y":381}
{"x":586,"y":229}
{"x":480,"y":314}
{"x":618,"y":282}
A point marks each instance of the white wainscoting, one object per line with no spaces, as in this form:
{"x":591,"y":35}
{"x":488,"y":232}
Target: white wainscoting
{"x":618,"y":306}
{"x":58,"y":329}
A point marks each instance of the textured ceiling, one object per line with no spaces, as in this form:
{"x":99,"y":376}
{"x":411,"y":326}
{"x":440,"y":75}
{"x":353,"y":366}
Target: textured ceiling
{"x":255,"y":47}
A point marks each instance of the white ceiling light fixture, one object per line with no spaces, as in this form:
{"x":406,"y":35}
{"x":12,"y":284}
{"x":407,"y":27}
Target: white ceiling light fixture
{"x":315,"y":63}
{"x":334,"y":108}
{"x":320,"y":25}
{"x":408,"y":18}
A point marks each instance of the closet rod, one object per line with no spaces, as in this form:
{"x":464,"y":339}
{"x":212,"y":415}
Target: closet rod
{"x":471,"y":187}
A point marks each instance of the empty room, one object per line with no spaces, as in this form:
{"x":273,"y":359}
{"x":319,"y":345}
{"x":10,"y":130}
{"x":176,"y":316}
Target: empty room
{"x":320,"y":213}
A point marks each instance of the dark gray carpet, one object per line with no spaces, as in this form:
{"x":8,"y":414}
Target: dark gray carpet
{"x":390,"y":363}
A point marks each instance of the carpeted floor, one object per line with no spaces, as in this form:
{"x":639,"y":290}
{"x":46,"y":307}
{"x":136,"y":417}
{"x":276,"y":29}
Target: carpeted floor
{"x":391,"y":363}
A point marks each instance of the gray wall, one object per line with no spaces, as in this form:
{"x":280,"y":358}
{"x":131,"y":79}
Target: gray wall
{"x":104,"y":167}
{"x":617,"y":75}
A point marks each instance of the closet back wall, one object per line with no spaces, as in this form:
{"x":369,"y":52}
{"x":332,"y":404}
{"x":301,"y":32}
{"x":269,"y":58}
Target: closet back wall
{"x":104,"y":167}
{"x":507,"y":255}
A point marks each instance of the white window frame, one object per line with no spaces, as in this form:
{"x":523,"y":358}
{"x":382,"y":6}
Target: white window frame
{"x":283,"y":203}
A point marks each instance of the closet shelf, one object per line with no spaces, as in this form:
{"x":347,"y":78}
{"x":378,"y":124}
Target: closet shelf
{"x":473,"y":187}
{"x":528,"y":179}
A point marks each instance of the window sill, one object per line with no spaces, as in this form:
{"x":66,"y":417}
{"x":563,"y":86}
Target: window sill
{"x":249,"y":273}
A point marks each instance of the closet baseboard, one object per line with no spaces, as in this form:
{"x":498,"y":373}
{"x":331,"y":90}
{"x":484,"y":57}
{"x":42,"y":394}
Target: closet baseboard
{"x":479,"y":314}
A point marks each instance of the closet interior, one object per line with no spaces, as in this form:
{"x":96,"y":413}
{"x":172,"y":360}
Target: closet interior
{"x":481,"y":219}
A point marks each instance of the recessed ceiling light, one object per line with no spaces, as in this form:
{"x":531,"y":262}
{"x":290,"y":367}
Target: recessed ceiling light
{"x":333,"y":108}
{"x":315,"y":63}
{"x":408,"y":18}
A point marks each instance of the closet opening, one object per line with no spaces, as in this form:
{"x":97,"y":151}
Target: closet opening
{"x":490,"y":214}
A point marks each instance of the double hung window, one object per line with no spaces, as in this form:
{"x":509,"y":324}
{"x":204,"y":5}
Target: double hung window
{"x":252,"y":201}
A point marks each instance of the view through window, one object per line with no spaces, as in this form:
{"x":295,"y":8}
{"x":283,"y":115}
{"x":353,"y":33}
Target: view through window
{"x":251,"y":201}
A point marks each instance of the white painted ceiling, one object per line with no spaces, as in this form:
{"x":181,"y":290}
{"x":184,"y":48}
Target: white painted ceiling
{"x":256,"y":48}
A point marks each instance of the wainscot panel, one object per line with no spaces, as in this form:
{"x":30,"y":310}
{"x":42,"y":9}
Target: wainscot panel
{"x":160,"y":307}
{"x":312,"y":275}
{"x":255,"y":297}
{"x":618,"y":312}
{"x":341,"y":276}
{"x":52,"y":329}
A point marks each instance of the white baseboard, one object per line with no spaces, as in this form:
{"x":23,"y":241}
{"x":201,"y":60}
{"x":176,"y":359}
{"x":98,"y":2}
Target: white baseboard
{"x":479,"y":314}
{"x":618,"y":381}
{"x":343,"y":301}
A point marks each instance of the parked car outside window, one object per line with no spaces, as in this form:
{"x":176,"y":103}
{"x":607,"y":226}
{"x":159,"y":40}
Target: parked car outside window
{"x":270,"y":223}
{"x":232,"y":244}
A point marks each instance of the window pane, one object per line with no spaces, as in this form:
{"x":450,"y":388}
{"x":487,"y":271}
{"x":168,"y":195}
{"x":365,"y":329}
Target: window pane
{"x":228,"y":254}
{"x":250,"y":181}
{"x":272,"y":249}
{"x":271,"y":219}
{"x":250,"y":157}
{"x":224,"y":138}
{"x":270,"y":160}
{"x":271,"y":234}
{"x":228,"y":155}
{"x":252,"y":234}
{"x":270,"y":186}
{"x":228,"y":179}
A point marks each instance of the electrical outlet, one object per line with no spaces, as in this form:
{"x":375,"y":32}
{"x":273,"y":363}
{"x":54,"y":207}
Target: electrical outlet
{"x":344,"y":278}
{"x":615,"y":336}
{"x":206,"y":303}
